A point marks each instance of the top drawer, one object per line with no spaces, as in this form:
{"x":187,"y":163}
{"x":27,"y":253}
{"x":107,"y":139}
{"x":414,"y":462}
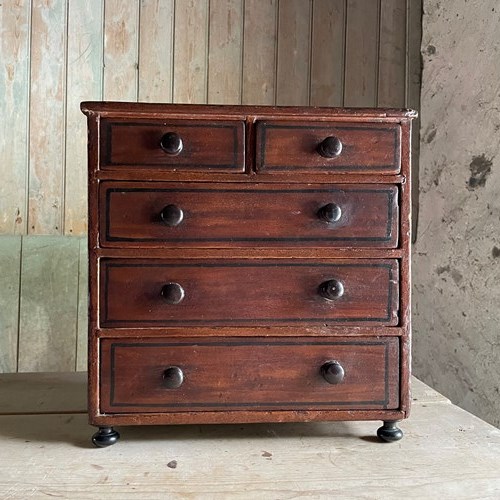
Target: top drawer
{"x":318,"y":147}
{"x":185,"y":145}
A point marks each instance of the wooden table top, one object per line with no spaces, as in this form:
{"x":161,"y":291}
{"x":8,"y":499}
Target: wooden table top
{"x":45,"y":451}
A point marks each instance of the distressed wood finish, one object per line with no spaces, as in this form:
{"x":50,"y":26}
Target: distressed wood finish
{"x":222,"y":374}
{"x":247,"y":293}
{"x":281,"y":215}
{"x":250,"y":329}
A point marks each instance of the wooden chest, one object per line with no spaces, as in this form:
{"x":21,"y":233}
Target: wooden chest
{"x":248,"y":264}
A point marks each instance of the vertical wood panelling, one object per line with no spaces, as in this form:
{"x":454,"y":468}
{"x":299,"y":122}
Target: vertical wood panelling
{"x":47,"y":117}
{"x":327,"y":64}
{"x":225,"y":51}
{"x":190,"y":51}
{"x":48,"y":306}
{"x":294,"y":50}
{"x":82,"y":320}
{"x":361,"y":59}
{"x":259,"y":52}
{"x":413,"y":81}
{"x":10,"y":261}
{"x":56,"y":53}
{"x":155,"y":50}
{"x":392,"y":54}
{"x":121,"y":58}
{"x":14,"y":106}
{"x":84,"y":82}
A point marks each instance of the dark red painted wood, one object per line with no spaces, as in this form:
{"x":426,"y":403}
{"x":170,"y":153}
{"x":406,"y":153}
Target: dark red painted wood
{"x":248,"y":215}
{"x":248,"y":373}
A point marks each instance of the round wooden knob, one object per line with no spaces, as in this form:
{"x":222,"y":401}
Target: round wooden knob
{"x":172,"y":215}
{"x":171,"y":143}
{"x":331,"y":289}
{"x":332,"y":372}
{"x":330,"y":147}
{"x":173,"y":377}
{"x":173,"y":293}
{"x":330,"y":213}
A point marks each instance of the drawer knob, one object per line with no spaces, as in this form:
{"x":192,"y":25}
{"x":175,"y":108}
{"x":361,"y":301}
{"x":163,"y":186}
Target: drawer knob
{"x":332,"y":372}
{"x":330,"y":212}
{"x":171,"y":143}
{"x":172,"y":215}
{"x":331,"y":147}
{"x":173,"y":377}
{"x":331,"y":289}
{"x":173,"y":293}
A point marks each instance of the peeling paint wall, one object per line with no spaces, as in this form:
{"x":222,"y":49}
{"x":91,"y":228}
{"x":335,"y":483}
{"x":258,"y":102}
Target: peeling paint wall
{"x":456,"y":260}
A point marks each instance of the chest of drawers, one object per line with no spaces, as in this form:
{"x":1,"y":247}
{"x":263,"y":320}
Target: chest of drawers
{"x":248,"y":264}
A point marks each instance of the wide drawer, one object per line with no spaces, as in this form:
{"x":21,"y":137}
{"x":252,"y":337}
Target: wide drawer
{"x":328,"y":147}
{"x":146,"y":214}
{"x":168,"y":374}
{"x":185,"y":145}
{"x":257,"y":292}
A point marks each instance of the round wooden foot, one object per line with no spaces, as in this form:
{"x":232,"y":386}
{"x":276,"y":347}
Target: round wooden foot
{"x":390,"y":431}
{"x":105,"y":436}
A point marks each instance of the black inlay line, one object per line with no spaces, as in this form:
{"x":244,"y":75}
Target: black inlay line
{"x":396,"y":166}
{"x":386,"y":238}
{"x":192,"y":165}
{"x":115,"y":345}
{"x":109,"y":264}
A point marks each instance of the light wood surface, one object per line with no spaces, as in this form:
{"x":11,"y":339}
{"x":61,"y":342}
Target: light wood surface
{"x":446,"y":453}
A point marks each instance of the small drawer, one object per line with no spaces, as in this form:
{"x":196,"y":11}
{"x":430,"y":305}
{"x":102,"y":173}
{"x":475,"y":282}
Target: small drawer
{"x":236,"y":215}
{"x":184,"y":145}
{"x":258,"y":292}
{"x":217,"y":374}
{"x":319,"y":147}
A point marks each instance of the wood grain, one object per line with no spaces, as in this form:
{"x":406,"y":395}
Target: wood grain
{"x":82,"y":312}
{"x":84,"y":81}
{"x":259,"y":52}
{"x":156,"y":35}
{"x":250,"y":374}
{"x":361,"y":57}
{"x":327,"y":52}
{"x":14,"y":109}
{"x":48,"y":306}
{"x":190,"y":51}
{"x":121,"y":57}
{"x":392,"y":54}
{"x":47,"y":117}
{"x":293,"y":58}
{"x":280,"y":215}
{"x":225,"y":45}
{"x":10,"y":271}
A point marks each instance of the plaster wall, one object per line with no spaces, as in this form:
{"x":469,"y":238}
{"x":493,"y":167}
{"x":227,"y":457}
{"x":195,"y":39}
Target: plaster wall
{"x":456,"y":259}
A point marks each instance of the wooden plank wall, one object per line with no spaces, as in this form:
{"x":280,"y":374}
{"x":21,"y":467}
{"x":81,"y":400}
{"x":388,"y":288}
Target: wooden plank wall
{"x":56,"y":53}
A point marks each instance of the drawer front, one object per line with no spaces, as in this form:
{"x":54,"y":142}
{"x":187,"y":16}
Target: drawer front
{"x":248,"y":292}
{"x":174,"y":145}
{"x":328,"y":147}
{"x":214,"y":215}
{"x":158,"y":375}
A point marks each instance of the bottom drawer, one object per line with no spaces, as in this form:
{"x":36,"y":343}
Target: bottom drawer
{"x":168,"y":375}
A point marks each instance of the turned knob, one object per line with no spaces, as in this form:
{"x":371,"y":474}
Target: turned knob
{"x":172,"y":215}
{"x":173,"y":377}
{"x":331,"y":289}
{"x":173,"y":293}
{"x":332,"y":372}
{"x":330,"y":147}
{"x":330,"y":212}
{"x":171,"y":143}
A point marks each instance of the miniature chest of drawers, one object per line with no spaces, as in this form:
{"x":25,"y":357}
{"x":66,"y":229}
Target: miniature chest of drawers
{"x":248,"y":264}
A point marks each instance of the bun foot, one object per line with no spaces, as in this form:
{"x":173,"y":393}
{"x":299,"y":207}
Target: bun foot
{"x":390,"y":431}
{"x":105,"y":436}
